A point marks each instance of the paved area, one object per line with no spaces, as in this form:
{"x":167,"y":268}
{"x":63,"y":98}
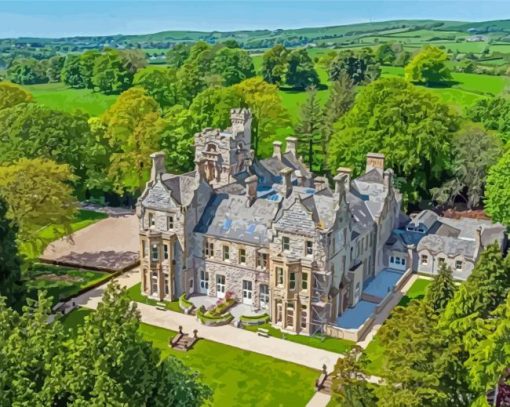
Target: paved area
{"x":110,"y":244}
{"x":319,"y":400}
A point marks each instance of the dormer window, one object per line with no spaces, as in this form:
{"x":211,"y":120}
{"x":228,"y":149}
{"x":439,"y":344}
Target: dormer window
{"x":285,"y":244}
{"x":169,"y":222}
{"x":420,"y":230}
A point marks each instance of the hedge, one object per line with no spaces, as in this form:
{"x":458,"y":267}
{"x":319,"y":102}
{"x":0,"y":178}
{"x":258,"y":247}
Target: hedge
{"x":184,"y":304}
{"x":254,"y":319}
{"x":213,"y":320}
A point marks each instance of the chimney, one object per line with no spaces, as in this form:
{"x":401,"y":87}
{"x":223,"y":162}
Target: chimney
{"x":375,"y":160}
{"x":200,"y":169}
{"x":291,"y":145}
{"x":348,"y":174}
{"x":478,"y":238}
{"x":300,"y":178}
{"x":319,"y":183}
{"x":388,"y":179}
{"x":277,"y":149}
{"x":251,"y":188}
{"x":287,"y":180}
{"x":158,"y":165}
{"x":340,"y":181}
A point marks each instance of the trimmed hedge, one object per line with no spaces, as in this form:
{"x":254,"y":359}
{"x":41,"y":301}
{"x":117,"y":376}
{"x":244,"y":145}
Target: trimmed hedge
{"x":184,"y":304}
{"x":210,"y":320}
{"x":254,"y":319}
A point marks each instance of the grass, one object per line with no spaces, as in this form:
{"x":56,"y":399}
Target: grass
{"x":58,"y":96}
{"x":135,"y":294}
{"x":326,"y":343}
{"x":61,"y":282}
{"x":50,"y":233}
{"x":375,"y":352}
{"x":237,"y":377}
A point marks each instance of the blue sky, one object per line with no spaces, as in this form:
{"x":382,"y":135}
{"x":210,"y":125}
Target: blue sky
{"x":78,"y":17}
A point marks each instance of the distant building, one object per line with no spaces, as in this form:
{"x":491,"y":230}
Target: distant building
{"x":271,"y":233}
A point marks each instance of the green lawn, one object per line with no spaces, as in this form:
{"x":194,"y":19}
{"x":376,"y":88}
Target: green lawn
{"x":58,"y":96}
{"x":61,"y":282}
{"x":50,"y":233}
{"x":375,"y":352}
{"x":326,"y":343}
{"x":135,"y":294}
{"x":238,"y":377}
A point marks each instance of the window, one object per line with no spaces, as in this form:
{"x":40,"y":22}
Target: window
{"x":242,"y":256}
{"x":204,"y":280}
{"x":308,"y":248}
{"x":279,"y":311}
{"x":144,"y":248}
{"x":279,"y":276}
{"x":304,"y":281}
{"x":458,"y":265}
{"x":290,"y":315}
{"x":292,"y":280}
{"x":304,"y":314}
{"x":220,"y":283}
{"x":247,"y":291}
{"x":397,"y":260}
{"x":262,"y":261}
{"x":285,"y":244}
{"x":403,"y":261}
{"x":165,"y":251}
{"x":191,"y":284}
{"x":154,"y":252}
{"x":151,"y":220}
{"x":424,"y":259}
{"x":167,"y":286}
{"x":226,"y":253}
{"x":209,"y":249}
{"x":264,"y":295}
{"x":392,"y":259}
{"x":441,"y":260}
{"x":169,"y":222}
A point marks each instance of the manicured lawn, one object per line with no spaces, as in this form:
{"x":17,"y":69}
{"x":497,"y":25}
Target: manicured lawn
{"x":61,"y":282}
{"x":375,"y":352}
{"x":50,"y":233}
{"x":58,"y":96}
{"x":135,"y":294}
{"x":327,"y":343}
{"x":237,"y":377}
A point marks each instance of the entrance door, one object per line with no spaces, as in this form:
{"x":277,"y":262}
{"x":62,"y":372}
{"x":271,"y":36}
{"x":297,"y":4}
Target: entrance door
{"x":247,"y":292}
{"x":264,"y":295}
{"x":220,"y":286}
{"x":397,"y":262}
{"x":204,"y":282}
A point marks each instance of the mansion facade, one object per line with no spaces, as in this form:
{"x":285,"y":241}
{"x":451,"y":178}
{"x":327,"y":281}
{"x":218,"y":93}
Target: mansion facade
{"x":267,"y":231}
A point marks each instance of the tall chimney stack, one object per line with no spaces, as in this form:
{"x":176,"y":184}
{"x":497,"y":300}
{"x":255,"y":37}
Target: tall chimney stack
{"x":158,"y":165}
{"x":348,"y":176}
{"x":319,"y":183}
{"x":287,"y":180}
{"x":340,"y":181}
{"x":277,"y":149}
{"x":251,"y":188}
{"x":375,"y":160}
{"x":388,"y":179}
{"x":291,"y":145}
{"x":200,"y":169}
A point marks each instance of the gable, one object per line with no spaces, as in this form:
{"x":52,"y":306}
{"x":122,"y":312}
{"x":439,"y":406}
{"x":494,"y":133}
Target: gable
{"x":159,"y":198}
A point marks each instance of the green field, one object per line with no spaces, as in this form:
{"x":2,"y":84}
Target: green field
{"x":61,"y":282}
{"x":237,"y":377}
{"x":375,"y":352}
{"x":58,"y":96}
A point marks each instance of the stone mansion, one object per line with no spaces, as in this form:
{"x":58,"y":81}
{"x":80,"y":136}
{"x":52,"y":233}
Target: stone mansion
{"x":268,"y":231}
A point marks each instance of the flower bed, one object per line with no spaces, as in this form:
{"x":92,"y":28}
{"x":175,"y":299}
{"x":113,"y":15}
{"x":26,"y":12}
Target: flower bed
{"x":254,"y":319}
{"x":206,"y":318}
{"x":184,"y":304}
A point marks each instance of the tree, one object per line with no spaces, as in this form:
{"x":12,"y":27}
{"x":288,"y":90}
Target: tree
{"x":86,"y":67}
{"x":441,"y":290}
{"x":497,"y":192}
{"x":12,"y":95}
{"x":111,"y":73}
{"x":176,"y":55}
{"x":161,"y":84}
{"x":301,"y":72}
{"x":71,"y":72}
{"x":494,"y":114}
{"x":349,"y":387}
{"x":309,"y":128}
{"x":385,"y":54}
{"x":360,"y":66}
{"x":27,"y":71}
{"x":133,"y":129}
{"x":429,"y":67}
{"x":234,"y":65}
{"x":45,"y":364}
{"x":54,"y":68}
{"x":134,"y":60}
{"x":38,"y":194}
{"x":274,"y":64}
{"x":468,"y":176}
{"x":211,"y":108}
{"x":10,"y":274}
{"x":266,"y":106}
{"x":411,"y":126}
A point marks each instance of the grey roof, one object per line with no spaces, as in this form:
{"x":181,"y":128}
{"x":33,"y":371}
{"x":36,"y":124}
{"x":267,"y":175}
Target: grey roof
{"x":182,"y":187}
{"x":272,"y":167}
{"x":450,"y":246}
{"x":159,"y":197}
{"x":426,"y":218}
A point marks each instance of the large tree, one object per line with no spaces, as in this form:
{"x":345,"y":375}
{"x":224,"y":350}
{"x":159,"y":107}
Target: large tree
{"x":177,"y":55}
{"x":71,"y":73}
{"x":497,"y":191}
{"x":429,"y":67}
{"x":301,"y":71}
{"x":233,"y":64}
{"x":494,"y":114}
{"x":309,"y":129}
{"x":54,"y":68}
{"x":274,"y":64}
{"x":38,"y":194}
{"x":27,"y":71}
{"x":411,"y":126}
{"x":360,"y":66}
{"x":12,"y":95}
{"x":468,"y":176}
{"x":211,"y":108}
{"x":266,"y":106}
{"x":112,"y":74}
{"x":441,"y":290}
{"x":161,"y":84}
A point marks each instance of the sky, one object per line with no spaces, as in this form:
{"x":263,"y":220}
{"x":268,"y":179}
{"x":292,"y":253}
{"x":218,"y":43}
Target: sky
{"x":23,"y":18}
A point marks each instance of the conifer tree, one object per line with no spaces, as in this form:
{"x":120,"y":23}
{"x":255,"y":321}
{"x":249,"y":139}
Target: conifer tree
{"x":309,"y":127}
{"x":442,"y":289}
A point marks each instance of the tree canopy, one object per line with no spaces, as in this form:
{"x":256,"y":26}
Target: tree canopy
{"x":429,"y":67}
{"x":301,"y":71}
{"x":497,"y":192}
{"x":361,"y":66}
{"x":12,"y":95}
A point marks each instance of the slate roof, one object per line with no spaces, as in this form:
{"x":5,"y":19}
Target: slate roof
{"x":181,"y":186}
{"x":450,"y":246}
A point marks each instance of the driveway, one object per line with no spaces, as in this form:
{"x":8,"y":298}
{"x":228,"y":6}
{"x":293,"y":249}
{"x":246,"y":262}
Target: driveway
{"x":110,"y":245}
